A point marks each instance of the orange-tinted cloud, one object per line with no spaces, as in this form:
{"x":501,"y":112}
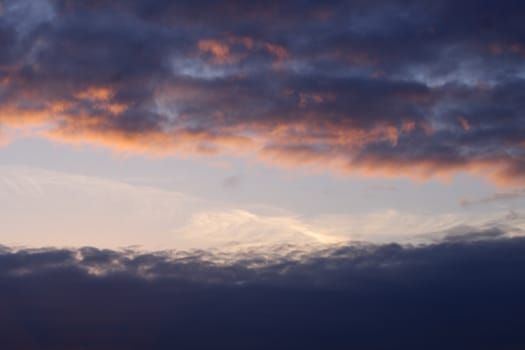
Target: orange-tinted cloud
{"x":233,"y":48}
{"x":382,"y":96}
{"x":309,"y":141}
{"x":219,"y":51}
{"x":464,"y":123}
{"x":95,"y":94}
{"x":151,"y":143}
{"x":278,"y":51}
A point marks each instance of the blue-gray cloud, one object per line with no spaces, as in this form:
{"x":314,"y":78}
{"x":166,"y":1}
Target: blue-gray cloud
{"x":389,"y":87}
{"x":462,"y":293}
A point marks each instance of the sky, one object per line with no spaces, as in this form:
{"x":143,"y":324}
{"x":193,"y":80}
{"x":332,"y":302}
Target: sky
{"x":225,"y":149}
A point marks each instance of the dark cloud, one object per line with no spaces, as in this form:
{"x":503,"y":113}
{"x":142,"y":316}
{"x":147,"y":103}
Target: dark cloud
{"x":456,"y":295}
{"x":345,"y":85}
{"x":466,"y":233}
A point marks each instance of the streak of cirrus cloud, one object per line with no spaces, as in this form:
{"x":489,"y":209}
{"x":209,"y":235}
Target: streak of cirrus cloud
{"x":386,"y":88}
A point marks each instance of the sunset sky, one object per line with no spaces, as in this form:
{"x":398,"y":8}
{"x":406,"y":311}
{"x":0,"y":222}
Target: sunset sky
{"x":161,"y":124}
{"x":146,"y":127}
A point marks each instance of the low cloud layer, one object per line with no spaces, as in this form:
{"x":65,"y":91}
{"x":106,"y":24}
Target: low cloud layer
{"x":462,"y":293}
{"x":388,"y":88}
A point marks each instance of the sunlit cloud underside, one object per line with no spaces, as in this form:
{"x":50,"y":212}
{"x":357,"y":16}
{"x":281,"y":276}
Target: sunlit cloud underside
{"x":387,"y":89}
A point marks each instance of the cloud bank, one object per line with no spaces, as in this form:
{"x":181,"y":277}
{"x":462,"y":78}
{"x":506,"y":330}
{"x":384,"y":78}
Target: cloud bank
{"x":387,"y":88}
{"x":462,"y":293}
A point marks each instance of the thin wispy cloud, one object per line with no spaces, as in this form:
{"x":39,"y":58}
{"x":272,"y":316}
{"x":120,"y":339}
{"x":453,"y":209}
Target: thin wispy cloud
{"x":498,"y":197}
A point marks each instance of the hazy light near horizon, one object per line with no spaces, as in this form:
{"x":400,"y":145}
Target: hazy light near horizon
{"x":49,"y":208}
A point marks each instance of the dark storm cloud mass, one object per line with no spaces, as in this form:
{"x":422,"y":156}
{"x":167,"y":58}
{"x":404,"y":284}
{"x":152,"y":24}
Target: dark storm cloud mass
{"x":394,"y":88}
{"x":461,"y":294}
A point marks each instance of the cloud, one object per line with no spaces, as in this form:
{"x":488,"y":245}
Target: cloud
{"x":239,"y":229}
{"x":221,"y":50}
{"x":461,"y":234}
{"x":390,"y":225}
{"x":451,"y":294}
{"x":495,"y":198}
{"x":391,"y":88}
{"x":231,"y":182}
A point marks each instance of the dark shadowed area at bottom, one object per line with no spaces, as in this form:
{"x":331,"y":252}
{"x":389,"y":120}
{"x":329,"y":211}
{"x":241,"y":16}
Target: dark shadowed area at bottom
{"x":451,"y":295}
